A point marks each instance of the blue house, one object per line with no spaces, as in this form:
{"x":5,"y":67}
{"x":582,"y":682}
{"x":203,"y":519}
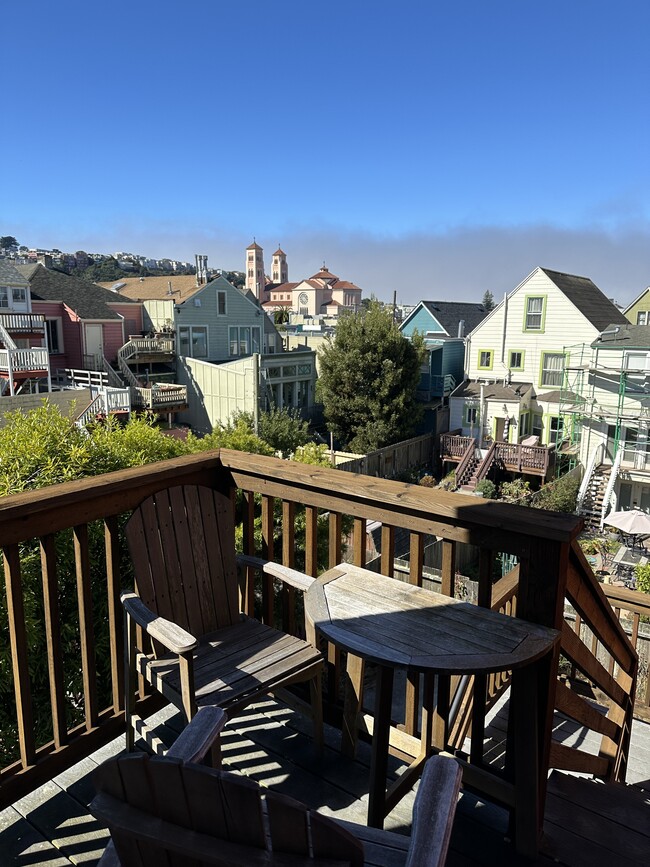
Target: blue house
{"x":443,"y":324}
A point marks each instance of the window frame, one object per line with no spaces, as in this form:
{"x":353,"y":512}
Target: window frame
{"x":542,"y":314}
{"x":55,"y":326}
{"x":490,"y":365}
{"x":542,"y":368}
{"x":467,"y":409}
{"x":642,"y":315}
{"x":189,"y":330}
{"x":222,"y":295}
{"x":522,"y":353}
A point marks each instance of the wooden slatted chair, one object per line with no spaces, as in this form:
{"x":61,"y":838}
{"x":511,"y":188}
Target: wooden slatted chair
{"x":203,"y":650}
{"x":165,"y":811}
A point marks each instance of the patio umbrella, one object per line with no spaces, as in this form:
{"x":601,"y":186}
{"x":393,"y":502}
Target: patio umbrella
{"x":634,"y":521}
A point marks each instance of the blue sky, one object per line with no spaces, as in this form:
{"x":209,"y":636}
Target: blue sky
{"x":434,"y":148}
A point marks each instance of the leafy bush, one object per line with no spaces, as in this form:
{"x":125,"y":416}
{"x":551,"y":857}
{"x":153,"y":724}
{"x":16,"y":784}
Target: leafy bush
{"x":487,"y":488}
{"x":558,"y":496}
{"x":642,"y":577}
{"x":515,"y":491}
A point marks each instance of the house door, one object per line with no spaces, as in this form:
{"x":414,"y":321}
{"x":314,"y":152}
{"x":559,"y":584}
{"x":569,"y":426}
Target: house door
{"x":644,"y":505}
{"x":624,"y":496}
{"x":499,"y":429}
{"x":94,"y":343}
{"x":611,"y":439}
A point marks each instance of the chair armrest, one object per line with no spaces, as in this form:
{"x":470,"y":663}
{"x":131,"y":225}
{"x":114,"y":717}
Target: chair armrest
{"x":433,"y":812}
{"x":197,"y":738}
{"x":167,"y":633}
{"x":290,"y":576}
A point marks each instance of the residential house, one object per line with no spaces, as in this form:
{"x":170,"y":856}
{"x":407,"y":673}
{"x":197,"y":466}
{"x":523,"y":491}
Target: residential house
{"x":229,"y":353}
{"x":516,"y":357}
{"x":638,"y":312}
{"x":213,"y":321}
{"x":607,"y":399}
{"x":20,"y":330}
{"x":444,"y":326}
{"x":85,"y":323}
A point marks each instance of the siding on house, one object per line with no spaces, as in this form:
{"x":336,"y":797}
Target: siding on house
{"x":503,"y":332}
{"x":639,"y":305}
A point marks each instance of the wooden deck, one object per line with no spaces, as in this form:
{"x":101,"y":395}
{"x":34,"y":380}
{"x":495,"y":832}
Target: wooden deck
{"x":585,"y":823}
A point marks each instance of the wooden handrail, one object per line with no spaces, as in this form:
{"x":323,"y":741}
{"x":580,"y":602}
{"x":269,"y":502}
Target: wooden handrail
{"x":271,"y":495}
{"x":464,"y":463}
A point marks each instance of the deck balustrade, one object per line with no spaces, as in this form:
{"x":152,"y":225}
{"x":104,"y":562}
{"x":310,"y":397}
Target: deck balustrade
{"x":64,"y":566}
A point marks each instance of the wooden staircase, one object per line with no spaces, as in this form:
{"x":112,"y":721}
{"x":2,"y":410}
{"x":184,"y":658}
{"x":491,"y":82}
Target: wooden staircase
{"x":592,"y":504}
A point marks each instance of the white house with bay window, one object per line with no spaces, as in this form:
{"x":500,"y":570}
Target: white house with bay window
{"x":516,"y":357}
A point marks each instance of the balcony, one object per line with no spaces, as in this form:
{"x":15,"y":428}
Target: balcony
{"x":23,"y":324}
{"x":64,"y":567}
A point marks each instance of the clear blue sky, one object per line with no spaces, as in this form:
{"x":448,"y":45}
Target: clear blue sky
{"x":435,"y":148}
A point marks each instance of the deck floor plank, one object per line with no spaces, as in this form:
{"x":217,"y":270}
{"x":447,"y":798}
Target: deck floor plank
{"x":271,"y":743}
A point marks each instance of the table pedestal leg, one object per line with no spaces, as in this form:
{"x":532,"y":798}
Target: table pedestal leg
{"x":525,"y":759}
{"x":380,"y":742}
{"x":353,"y":695}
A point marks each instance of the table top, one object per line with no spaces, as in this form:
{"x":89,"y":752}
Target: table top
{"x":629,"y":557}
{"x":387,"y":621}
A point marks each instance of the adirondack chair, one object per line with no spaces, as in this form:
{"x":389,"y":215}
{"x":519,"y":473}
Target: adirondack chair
{"x":202,"y":651}
{"x":167,"y":811}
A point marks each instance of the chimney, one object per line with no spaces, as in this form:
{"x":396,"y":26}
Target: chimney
{"x":201,"y":270}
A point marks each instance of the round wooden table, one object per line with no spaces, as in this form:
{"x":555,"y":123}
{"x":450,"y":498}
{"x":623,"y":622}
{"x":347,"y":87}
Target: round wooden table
{"x":400,"y":626}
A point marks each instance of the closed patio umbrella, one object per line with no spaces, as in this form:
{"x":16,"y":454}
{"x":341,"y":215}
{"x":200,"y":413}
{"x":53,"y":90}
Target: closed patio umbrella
{"x":634,"y":521}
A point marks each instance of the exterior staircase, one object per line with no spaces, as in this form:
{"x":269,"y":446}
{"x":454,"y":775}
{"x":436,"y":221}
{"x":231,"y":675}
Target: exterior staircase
{"x":591,"y":508}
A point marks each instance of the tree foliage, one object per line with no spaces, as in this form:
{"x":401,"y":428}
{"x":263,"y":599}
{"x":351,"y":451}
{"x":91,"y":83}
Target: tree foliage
{"x":488,"y":300}
{"x":369,"y":373}
{"x":7,"y":241}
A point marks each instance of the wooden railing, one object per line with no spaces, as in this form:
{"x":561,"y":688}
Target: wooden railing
{"x":465,"y":462}
{"x":453,"y":445}
{"x":23,"y":323}
{"x":24,"y":360}
{"x":520,"y":458}
{"x":159,"y":398}
{"x":64,"y":546}
{"x":598,"y":647}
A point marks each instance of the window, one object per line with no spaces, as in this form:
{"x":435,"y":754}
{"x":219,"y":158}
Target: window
{"x":471,"y":415}
{"x":4,"y":296}
{"x":221,"y":303}
{"x":524,"y":422}
{"x":20,"y":294}
{"x":54,"y":342}
{"x":534,"y":320}
{"x":642,"y":317}
{"x":556,"y":428}
{"x":538,"y":426}
{"x":244,"y":341}
{"x":193,"y":341}
{"x":516,"y":361}
{"x":552,"y":369}
{"x":485,"y":359}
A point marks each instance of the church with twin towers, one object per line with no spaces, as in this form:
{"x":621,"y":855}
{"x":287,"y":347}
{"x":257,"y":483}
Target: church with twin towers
{"x":322,"y":294}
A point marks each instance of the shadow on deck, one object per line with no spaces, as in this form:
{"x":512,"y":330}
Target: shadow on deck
{"x":272,"y":744}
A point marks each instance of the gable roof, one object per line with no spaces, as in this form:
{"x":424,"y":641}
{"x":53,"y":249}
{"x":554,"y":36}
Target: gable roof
{"x":450,"y":313}
{"x":88,"y":300}
{"x":155,"y":288}
{"x":9,"y":274}
{"x":588,"y":298}
{"x":636,"y":300}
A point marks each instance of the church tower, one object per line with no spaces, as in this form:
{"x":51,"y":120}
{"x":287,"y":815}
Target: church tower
{"x":255,"y":280}
{"x":279,"y":268}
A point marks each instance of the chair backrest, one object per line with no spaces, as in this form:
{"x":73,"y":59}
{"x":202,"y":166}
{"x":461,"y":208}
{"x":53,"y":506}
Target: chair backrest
{"x":182,"y":543}
{"x":161,"y":811}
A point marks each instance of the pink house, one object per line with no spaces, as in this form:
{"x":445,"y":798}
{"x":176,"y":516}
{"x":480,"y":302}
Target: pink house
{"x":83,"y":321}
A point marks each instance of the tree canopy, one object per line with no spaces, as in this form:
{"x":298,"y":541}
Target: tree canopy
{"x":7,"y":241}
{"x":488,"y":300}
{"x":369,"y":373}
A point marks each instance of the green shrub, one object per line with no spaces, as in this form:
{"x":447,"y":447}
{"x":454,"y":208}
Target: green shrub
{"x":487,"y":488}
